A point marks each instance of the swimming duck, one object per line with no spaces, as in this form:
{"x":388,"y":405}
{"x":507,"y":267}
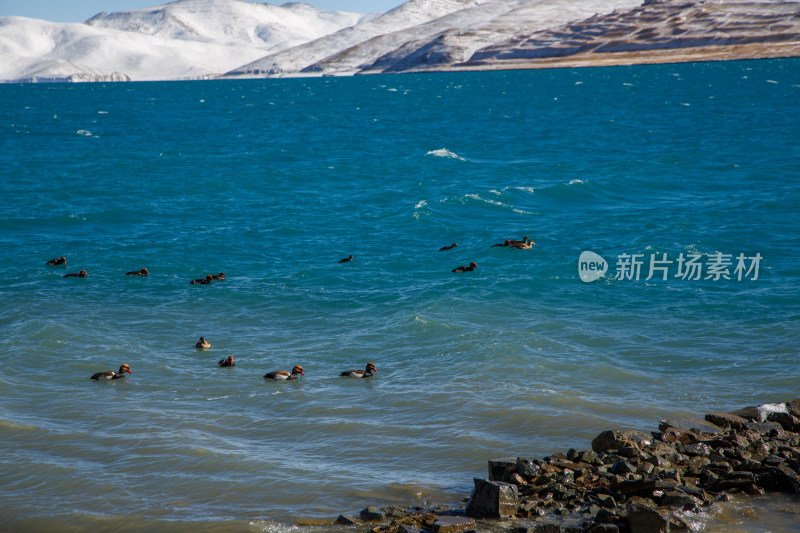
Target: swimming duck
{"x":226,"y":362}
{"x":504,"y":243}
{"x":524,"y":244}
{"x":203,"y":281}
{"x":81,"y":274}
{"x":58,"y":261}
{"x":472,"y":266}
{"x":221,"y":275}
{"x":283,"y":374}
{"x":113,"y":375}
{"x":443,"y":248}
{"x":361,"y":373}
{"x":346,"y":259}
{"x":202,"y":344}
{"x":142,"y":272}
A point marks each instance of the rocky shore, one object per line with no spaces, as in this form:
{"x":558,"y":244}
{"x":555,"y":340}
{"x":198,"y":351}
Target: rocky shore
{"x":629,"y":481}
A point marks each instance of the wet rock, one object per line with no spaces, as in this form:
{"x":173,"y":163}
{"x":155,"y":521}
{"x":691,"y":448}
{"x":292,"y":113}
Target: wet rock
{"x":780,"y":479}
{"x":645,"y":487}
{"x":621,"y":468}
{"x":644,"y":519}
{"x":604,"y":516}
{"x":606,"y":501}
{"x":500,"y":469}
{"x":700,"y":494}
{"x":347,"y":520}
{"x":603,"y":528}
{"x":631,"y":482}
{"x":787,"y":421}
{"x":616,"y":440}
{"x":395,"y":511}
{"x":693,"y":450}
{"x":761,"y":412}
{"x":641,"y":501}
{"x":750,"y":413}
{"x":678,"y":435}
{"x":526,"y":468}
{"x":763,"y":427}
{"x":371,"y":514}
{"x":679,"y":500}
{"x":589,"y":457}
{"x":793,"y":407}
{"x":492,"y":499}
{"x":726,"y":420}
{"x":734,"y":485}
{"x":658,"y":460}
{"x":689,"y":423}
{"x":673,"y":475}
{"x":678,"y":525}
{"x":547,"y":528}
{"x":573,"y":454}
{"x":452,"y":524}
{"x":629,"y":452}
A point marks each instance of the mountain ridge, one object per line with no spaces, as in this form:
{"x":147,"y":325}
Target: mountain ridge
{"x":201,"y":39}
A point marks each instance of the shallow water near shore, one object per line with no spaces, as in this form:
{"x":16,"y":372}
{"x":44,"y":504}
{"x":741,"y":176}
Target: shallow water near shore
{"x":274,"y":181}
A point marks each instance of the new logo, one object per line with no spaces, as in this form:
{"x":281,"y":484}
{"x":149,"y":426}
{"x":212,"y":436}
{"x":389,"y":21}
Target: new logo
{"x":591,"y":266}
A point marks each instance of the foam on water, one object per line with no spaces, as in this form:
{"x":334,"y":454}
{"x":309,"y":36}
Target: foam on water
{"x":444,"y":152}
{"x":518,"y":357}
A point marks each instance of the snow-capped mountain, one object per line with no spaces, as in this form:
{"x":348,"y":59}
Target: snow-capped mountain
{"x":182,"y":39}
{"x":491,"y":34}
{"x":230,"y":22}
{"x":453,"y":38}
{"x":192,"y":39}
{"x":407,"y":16}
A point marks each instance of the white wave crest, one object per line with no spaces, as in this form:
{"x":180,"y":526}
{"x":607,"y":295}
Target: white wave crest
{"x":444,"y":152}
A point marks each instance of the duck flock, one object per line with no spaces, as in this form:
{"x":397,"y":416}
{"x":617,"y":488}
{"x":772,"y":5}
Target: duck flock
{"x":278,"y":375}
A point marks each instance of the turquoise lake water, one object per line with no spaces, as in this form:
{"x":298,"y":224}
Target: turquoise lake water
{"x":274,"y":181}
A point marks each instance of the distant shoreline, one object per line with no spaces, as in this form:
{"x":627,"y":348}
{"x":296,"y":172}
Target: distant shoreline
{"x":588,"y":60}
{"x":736,"y":52}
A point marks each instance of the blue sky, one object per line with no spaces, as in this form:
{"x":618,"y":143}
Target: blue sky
{"x":80,"y":10}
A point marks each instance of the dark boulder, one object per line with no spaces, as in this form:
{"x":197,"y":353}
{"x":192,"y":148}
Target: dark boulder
{"x":372,"y":513}
{"x":617,"y":440}
{"x":501,"y":469}
{"x":726,"y":420}
{"x":492,"y":499}
{"x":644,"y":519}
{"x":794,"y":407}
{"x":787,"y":421}
{"x":526,"y":468}
{"x":763,"y":427}
{"x":689,"y":423}
{"x":750,"y":413}
{"x":347,"y":520}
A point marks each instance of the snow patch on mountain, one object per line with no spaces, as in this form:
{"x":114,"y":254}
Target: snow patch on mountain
{"x":179,"y":40}
{"x":406,"y":16}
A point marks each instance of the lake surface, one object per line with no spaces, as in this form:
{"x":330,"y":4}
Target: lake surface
{"x":687,"y":174}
